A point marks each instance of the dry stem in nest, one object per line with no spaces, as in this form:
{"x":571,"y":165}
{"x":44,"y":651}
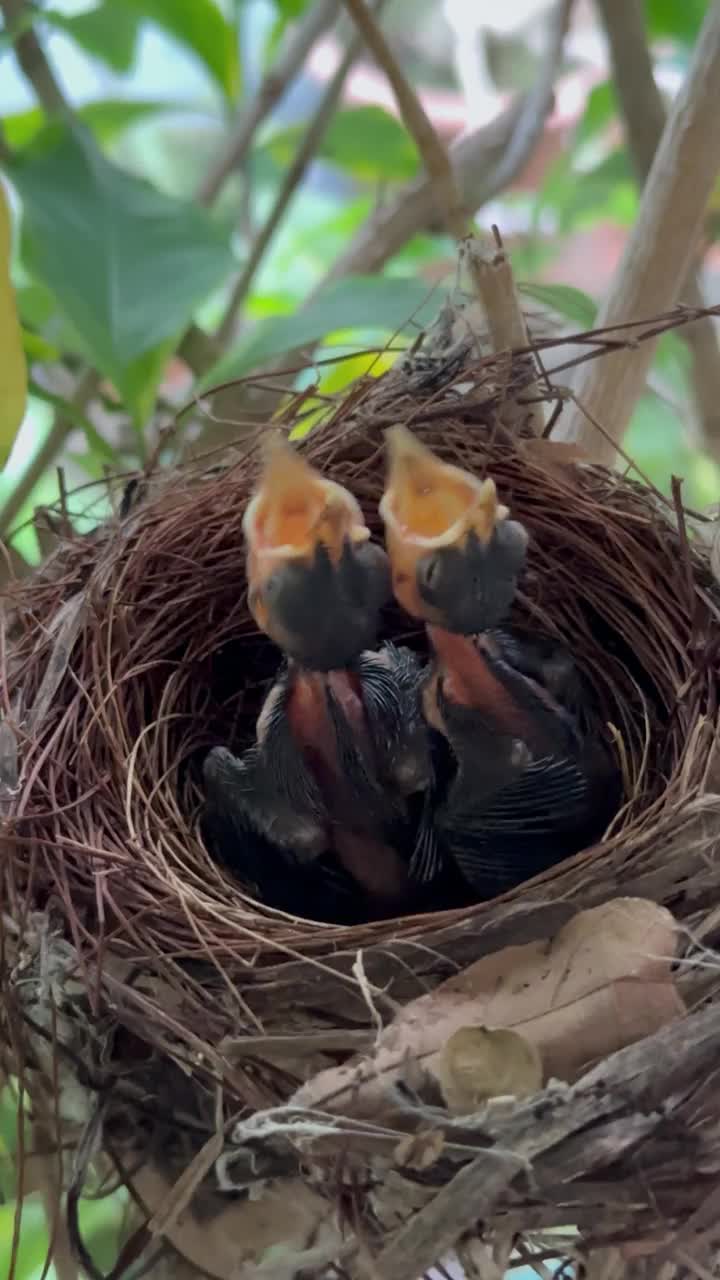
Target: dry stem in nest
{"x":132,"y":651}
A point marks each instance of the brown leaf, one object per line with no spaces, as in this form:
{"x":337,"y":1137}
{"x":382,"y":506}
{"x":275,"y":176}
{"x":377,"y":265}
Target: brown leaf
{"x":601,"y":983}
{"x":478,"y":1063}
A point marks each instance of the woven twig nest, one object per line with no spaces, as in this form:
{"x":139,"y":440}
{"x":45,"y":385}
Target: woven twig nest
{"x":157,"y":1001}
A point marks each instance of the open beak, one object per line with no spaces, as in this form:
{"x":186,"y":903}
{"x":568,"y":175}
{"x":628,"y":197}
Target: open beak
{"x":453,"y":563}
{"x":310,"y":568}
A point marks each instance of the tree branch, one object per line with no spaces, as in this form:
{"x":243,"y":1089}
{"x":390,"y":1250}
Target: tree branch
{"x":485,"y":162}
{"x":316,"y":20}
{"x":32,"y":60}
{"x":658,"y":251}
{"x":434,"y":154}
{"x":48,"y":452}
{"x":644,"y":116}
{"x":311,"y":141}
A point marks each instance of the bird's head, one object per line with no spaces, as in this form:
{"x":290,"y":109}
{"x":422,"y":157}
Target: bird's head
{"x":316,"y":583}
{"x":454,"y":554}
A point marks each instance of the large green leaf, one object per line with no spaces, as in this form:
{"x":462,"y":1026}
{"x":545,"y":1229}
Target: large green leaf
{"x":127,"y":264}
{"x":201,"y":27}
{"x":107,"y":117}
{"x":359,"y":302}
{"x":108,"y":32}
{"x":367,"y":142}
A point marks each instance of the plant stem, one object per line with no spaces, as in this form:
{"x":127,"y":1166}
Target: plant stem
{"x":658,"y":251}
{"x":644,"y":117}
{"x":32,"y":60}
{"x":434,"y":153}
{"x":308,"y":149}
{"x":316,"y":20}
{"x":46,"y":455}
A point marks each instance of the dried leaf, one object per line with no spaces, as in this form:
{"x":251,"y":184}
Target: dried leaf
{"x":478,"y":1063}
{"x":554,"y":454}
{"x":603,"y":982}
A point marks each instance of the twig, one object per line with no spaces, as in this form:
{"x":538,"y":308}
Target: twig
{"x":32,"y":60}
{"x":485,"y":162}
{"x":660,"y":246}
{"x":47,"y":453}
{"x":50,"y":1180}
{"x":434,"y":153}
{"x":274,"y":84}
{"x":387,"y":231}
{"x":644,"y":117}
{"x":311,"y":141}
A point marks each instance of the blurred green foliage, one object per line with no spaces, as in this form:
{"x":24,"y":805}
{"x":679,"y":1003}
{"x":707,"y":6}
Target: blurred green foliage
{"x":100,"y":1219}
{"x":114,"y":260}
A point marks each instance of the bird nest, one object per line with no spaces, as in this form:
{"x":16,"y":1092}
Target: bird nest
{"x":262,"y":1082}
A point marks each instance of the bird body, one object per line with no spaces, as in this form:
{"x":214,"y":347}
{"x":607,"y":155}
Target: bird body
{"x":323,"y":796}
{"x":522,"y":777}
{"x":378,"y":785}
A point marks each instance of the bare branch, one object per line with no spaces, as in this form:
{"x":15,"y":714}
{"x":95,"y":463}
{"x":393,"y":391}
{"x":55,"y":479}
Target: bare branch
{"x":659,"y":249}
{"x":47,"y":454}
{"x":485,"y":162}
{"x":317,"y":19}
{"x":32,"y":60}
{"x":311,"y":142}
{"x":644,"y":116}
{"x":445,"y":188}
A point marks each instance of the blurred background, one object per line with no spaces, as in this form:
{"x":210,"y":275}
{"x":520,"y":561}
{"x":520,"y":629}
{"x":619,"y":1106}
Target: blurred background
{"x":199,"y":187}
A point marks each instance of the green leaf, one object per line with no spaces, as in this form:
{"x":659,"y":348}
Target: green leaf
{"x":37,"y":348}
{"x":108,"y":32}
{"x":107,"y":117}
{"x":678,"y":19}
{"x":202,"y":28}
{"x":127,"y":264}
{"x":600,"y":110}
{"x":367,"y":142}
{"x":357,"y":302}
{"x":567,"y":301}
{"x":291,"y":8}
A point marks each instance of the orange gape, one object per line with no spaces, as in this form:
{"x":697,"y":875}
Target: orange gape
{"x":427,"y":505}
{"x":293,"y":511}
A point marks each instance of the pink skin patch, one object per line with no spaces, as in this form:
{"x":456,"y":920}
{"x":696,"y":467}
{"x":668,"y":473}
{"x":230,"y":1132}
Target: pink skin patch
{"x":469,"y":682}
{"x":372,"y":863}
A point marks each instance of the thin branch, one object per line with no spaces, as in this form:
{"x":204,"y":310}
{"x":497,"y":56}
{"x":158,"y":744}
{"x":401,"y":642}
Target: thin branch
{"x":434,"y":153}
{"x":485,"y":162}
{"x":47,"y":454}
{"x":660,"y":247}
{"x":32,"y":60}
{"x":386,"y":233}
{"x":644,"y":117}
{"x":316,"y":20}
{"x":311,"y":142}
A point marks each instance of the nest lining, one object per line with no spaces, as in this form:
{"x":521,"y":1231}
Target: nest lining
{"x":132,"y":652}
